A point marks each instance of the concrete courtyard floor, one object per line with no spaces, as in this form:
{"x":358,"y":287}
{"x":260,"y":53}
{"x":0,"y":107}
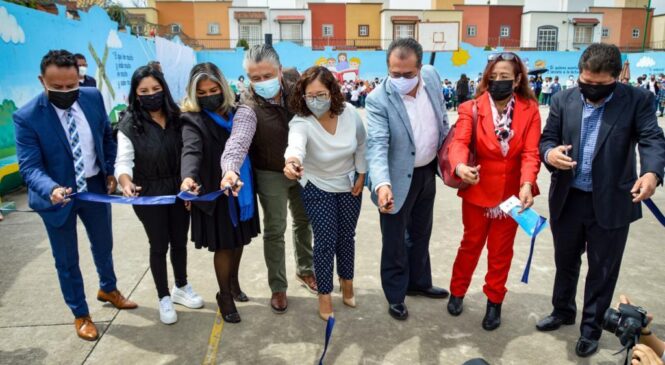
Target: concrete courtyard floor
{"x":36,"y":326}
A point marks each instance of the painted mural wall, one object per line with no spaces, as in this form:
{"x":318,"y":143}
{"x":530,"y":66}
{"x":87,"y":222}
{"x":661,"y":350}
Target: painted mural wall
{"x":26,"y":35}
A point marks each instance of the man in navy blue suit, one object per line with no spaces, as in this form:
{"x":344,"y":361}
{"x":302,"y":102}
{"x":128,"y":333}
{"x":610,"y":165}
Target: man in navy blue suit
{"x":64,"y":144}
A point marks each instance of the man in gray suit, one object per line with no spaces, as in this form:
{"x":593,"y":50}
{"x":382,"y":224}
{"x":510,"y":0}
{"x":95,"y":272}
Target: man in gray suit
{"x":406,"y":124}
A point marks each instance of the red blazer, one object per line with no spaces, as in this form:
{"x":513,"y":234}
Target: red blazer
{"x":500,"y":177}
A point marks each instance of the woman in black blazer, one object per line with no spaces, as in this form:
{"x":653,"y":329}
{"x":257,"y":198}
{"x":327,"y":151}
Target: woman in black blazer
{"x":208,"y":114}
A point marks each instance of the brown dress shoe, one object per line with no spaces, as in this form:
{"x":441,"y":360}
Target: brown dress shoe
{"x":115,"y":298}
{"x":309,"y":282}
{"x":85,"y":328}
{"x":278,"y":302}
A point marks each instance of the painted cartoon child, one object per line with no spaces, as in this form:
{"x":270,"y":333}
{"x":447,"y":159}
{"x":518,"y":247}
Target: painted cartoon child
{"x":342,"y":63}
{"x":331,"y":64}
{"x":354,"y":63}
{"x":322,"y":61}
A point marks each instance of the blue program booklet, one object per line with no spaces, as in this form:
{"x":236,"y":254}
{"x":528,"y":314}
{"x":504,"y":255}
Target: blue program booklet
{"x":529,"y":220}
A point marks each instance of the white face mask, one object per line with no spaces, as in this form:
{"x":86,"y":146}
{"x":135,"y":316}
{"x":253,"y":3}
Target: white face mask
{"x":404,"y":85}
{"x":83,"y":70}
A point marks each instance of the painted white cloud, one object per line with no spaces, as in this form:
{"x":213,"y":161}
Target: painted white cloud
{"x":113,"y":40}
{"x":646,"y":62}
{"x":10,"y":31}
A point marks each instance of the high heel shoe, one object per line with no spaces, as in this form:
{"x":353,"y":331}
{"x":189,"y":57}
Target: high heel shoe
{"x":349,"y":301}
{"x":325,"y":307}
{"x":228,"y":308}
{"x":237,"y":293}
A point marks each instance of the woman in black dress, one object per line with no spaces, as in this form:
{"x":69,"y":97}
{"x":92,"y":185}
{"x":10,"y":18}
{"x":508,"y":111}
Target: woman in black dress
{"x":207,"y":117}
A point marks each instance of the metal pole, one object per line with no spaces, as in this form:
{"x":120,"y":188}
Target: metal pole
{"x":646,"y":26}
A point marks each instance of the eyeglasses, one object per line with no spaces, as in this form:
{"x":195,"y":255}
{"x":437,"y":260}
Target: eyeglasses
{"x":505,"y":56}
{"x":318,"y":97}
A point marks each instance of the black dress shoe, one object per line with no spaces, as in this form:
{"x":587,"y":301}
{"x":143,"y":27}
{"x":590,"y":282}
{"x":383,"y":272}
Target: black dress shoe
{"x":552,"y":322}
{"x":455,"y":305}
{"x":227,"y":308}
{"x":433,"y":292}
{"x":398,"y":311}
{"x":492,"y":318}
{"x":586,"y":347}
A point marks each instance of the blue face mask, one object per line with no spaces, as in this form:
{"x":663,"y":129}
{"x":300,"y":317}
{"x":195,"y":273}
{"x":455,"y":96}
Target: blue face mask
{"x":267,"y":89}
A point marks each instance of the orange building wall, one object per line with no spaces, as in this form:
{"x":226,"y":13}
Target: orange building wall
{"x":621,"y":22}
{"x":505,"y":15}
{"x":478,"y":16}
{"x":181,"y":12}
{"x":322,"y":13}
{"x":209,"y":12}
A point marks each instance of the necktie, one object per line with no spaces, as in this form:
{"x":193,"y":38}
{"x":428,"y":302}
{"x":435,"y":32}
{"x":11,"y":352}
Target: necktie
{"x":75,"y":143}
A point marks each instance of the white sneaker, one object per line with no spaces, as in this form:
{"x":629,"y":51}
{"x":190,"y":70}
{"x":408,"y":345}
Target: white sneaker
{"x":187,"y":297}
{"x":167,"y":313}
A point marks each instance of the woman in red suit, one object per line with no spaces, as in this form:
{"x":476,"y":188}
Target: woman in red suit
{"x":507,"y":163}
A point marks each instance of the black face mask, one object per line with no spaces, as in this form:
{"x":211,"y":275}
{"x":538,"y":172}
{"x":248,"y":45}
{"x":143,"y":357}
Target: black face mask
{"x":596,"y":93}
{"x":63,"y":99}
{"x":211,"y":102}
{"x":152,"y":103}
{"x":500,"y":89}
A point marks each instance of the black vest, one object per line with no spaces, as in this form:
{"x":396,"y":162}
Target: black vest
{"x":156,"y":155}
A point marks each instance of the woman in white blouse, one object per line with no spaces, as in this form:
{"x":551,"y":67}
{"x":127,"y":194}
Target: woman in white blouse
{"x":326,"y":153}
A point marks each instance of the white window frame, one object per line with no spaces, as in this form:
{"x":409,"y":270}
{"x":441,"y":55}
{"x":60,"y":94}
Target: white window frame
{"x":211,"y":28}
{"x":399,"y":33}
{"x":605,"y":32}
{"x":471,"y":30}
{"x":327,"y":30}
{"x":504,"y":31}
{"x":551,"y":42}
{"x":253,"y":33}
{"x":298,"y":39}
{"x":636,"y":33}
{"x":363,"y":30}
{"x":583,"y":34}
{"x":176,"y":28}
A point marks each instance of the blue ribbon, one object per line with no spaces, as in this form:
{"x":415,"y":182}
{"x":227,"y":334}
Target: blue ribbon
{"x":539,"y":226}
{"x":155,"y":200}
{"x":654,"y":209}
{"x":329,"y":328}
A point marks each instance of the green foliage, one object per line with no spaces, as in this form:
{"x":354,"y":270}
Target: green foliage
{"x":487,"y":48}
{"x":7,"y":146}
{"x":118,"y":14}
{"x":243,"y":43}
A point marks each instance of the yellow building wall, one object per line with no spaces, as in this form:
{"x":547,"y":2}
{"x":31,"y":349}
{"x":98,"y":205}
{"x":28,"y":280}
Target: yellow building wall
{"x":445,"y":4}
{"x":443,"y":16}
{"x":151,"y":15}
{"x":658,"y":32}
{"x":631,"y":3}
{"x":368,"y":14}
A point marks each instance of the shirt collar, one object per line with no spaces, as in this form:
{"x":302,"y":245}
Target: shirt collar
{"x":62,"y":113}
{"x":591,"y":106}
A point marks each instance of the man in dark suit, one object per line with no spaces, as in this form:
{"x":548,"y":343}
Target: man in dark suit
{"x":84,"y":79}
{"x":589,"y":147}
{"x":64,"y":144}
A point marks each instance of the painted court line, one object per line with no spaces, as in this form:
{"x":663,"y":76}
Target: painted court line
{"x":213,"y":341}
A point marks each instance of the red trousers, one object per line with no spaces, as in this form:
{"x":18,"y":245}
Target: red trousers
{"x":500,"y":236}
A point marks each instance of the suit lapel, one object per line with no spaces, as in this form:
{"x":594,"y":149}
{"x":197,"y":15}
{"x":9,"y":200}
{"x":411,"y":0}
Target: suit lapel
{"x":434,"y":96}
{"x":53,"y":120}
{"x":486,"y":122}
{"x":572,"y":123}
{"x":398,"y":104}
{"x":610,"y":116}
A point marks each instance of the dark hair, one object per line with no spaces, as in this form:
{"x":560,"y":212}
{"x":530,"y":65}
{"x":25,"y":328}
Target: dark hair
{"x":519,"y":69}
{"x":59,"y":58}
{"x":405,"y":46}
{"x":297,"y":99}
{"x":601,"y":57}
{"x":139,"y":115}
{"x":79,"y":56}
{"x":463,"y":77}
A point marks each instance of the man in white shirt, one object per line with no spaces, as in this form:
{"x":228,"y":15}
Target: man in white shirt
{"x":406,"y":125}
